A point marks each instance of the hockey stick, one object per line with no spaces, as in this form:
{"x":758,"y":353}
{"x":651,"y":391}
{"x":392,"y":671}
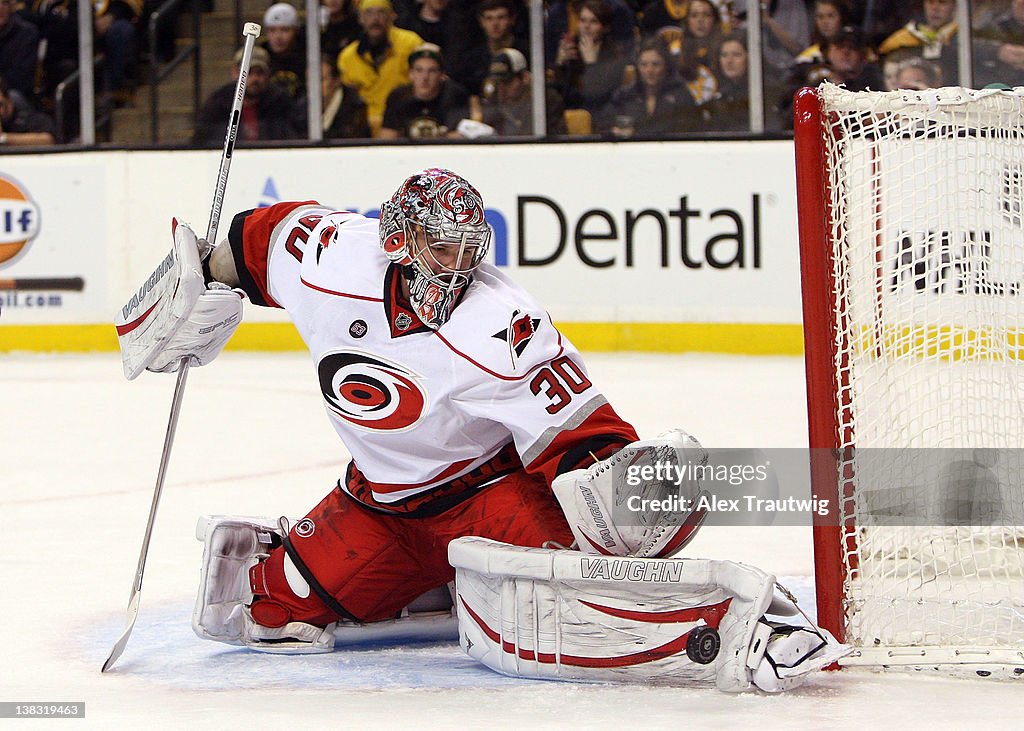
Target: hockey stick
{"x":251,"y":32}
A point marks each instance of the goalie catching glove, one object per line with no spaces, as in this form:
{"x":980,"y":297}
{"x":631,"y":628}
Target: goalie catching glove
{"x":642,"y":501}
{"x":175,"y":314}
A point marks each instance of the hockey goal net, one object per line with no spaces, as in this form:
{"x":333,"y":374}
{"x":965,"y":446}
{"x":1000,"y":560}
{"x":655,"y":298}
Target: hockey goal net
{"x":912,"y":257}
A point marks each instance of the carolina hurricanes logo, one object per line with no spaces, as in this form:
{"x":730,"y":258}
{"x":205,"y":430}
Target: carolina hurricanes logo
{"x":305,"y":528}
{"x":369,"y":392}
{"x":327,"y":237}
{"x":394,"y":245}
{"x":518,"y":334}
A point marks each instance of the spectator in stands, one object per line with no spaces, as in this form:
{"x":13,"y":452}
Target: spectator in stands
{"x":829,"y":17}
{"x":879,"y":19}
{"x":431,"y":21}
{"x":57,"y":21}
{"x":286,"y":49}
{"x":497,"y":19}
{"x":656,"y":103}
{"x":589,"y":67}
{"x":932,"y":35}
{"x":893,"y":62}
{"x":702,"y":34}
{"x":20,"y":122}
{"x":117,"y":35}
{"x":849,"y":58}
{"x":344,"y":112}
{"x":658,"y":14}
{"x":919,"y":74}
{"x":787,"y":31}
{"x":430,"y":105}
{"x":999,"y":47}
{"x":166,"y":29}
{"x":563,"y":20}
{"x":268,"y":113}
{"x":19,"y":49}
{"x":730,"y":112}
{"x":507,"y":106}
{"x":377,"y":63}
{"x":339,"y":25}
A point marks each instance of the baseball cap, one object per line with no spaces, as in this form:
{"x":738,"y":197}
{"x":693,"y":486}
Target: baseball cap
{"x":506,"y":63}
{"x":427,"y":50}
{"x":379,"y":4}
{"x":281,"y":14}
{"x":849,"y":35}
{"x":259,"y":57}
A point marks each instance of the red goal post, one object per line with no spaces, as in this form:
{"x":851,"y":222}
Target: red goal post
{"x":912,"y":268}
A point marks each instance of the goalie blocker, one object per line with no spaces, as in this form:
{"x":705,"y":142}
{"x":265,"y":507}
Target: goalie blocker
{"x":174,"y":314}
{"x":564,"y":615}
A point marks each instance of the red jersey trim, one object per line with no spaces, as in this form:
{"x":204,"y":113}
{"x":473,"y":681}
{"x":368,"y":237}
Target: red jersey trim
{"x":384,"y":488}
{"x":334,"y":293}
{"x":433,"y":499}
{"x":488,"y":371}
{"x":257,"y":234}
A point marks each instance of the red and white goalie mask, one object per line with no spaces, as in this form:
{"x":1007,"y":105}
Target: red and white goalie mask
{"x":434,"y":227}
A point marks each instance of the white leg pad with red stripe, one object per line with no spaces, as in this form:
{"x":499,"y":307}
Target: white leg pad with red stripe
{"x":642,"y":501}
{"x":565,"y":615}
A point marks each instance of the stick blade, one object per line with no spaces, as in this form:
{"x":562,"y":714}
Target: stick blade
{"x":122,"y":641}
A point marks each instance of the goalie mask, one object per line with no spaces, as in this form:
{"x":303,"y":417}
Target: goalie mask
{"x":434,"y":228}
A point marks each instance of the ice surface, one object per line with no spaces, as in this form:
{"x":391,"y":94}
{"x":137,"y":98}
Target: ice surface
{"x":80,"y":445}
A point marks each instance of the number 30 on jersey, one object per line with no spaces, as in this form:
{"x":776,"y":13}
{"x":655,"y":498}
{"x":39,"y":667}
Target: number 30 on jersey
{"x":559,"y":382}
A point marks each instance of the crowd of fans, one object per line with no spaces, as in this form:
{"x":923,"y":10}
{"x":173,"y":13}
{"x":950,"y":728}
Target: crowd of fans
{"x":460,"y":68}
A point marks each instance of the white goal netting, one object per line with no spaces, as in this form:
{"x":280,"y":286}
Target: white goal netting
{"x":924,"y":200}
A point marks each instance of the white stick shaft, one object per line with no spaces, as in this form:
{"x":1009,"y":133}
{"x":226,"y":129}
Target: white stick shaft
{"x":251,"y":32}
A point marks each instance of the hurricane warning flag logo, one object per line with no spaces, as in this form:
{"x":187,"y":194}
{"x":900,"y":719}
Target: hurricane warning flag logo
{"x":370,"y":392}
{"x":520,"y":331}
{"x":19,"y":220}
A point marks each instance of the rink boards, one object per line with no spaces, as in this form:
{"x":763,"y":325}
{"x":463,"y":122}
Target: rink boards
{"x":669,"y":246}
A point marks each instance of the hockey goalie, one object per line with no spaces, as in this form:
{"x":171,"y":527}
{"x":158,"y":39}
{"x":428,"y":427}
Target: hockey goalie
{"x":481,"y":452}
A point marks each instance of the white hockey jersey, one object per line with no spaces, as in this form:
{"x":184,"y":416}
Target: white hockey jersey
{"x":428,"y":416}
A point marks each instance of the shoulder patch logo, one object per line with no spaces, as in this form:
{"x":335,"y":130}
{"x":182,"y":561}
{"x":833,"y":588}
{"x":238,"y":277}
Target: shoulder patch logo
{"x":518,"y":334}
{"x":327,"y":237}
{"x":358,"y":328}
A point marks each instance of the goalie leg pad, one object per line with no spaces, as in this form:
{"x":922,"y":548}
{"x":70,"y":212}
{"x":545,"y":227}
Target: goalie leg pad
{"x":564,"y":615}
{"x":642,"y":501}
